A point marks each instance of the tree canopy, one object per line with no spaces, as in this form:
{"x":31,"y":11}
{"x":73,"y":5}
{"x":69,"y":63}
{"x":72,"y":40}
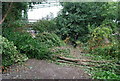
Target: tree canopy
{"x":12,"y":11}
{"x":75,"y":17}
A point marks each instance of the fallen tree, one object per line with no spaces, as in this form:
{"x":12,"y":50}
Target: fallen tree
{"x":80,"y":60}
{"x":84,"y":64}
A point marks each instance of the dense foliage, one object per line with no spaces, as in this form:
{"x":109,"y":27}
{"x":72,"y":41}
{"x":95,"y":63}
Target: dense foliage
{"x":75,"y":17}
{"x":15,"y":10}
{"x":18,"y":24}
{"x":50,"y":39}
{"x":26,"y":44}
{"x":10,"y":55}
{"x":93,"y":26}
{"x":44,"y":26}
{"x":102,"y":42}
{"x":107,"y":46}
{"x":12,"y":11}
{"x":107,"y":50}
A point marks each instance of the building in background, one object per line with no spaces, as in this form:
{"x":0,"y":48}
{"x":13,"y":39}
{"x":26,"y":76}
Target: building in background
{"x":46,"y":10}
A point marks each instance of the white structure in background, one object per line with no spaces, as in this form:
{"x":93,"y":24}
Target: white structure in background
{"x":115,"y":0}
{"x":40,"y":11}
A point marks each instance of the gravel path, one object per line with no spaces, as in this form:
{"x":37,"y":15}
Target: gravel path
{"x":41,"y":69}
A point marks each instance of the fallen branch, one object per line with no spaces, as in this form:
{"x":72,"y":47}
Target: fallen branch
{"x":80,"y":60}
{"x":62,"y":61}
{"x":68,"y":59}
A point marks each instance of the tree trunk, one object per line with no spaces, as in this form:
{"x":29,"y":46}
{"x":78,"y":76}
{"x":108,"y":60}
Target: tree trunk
{"x":6,"y":13}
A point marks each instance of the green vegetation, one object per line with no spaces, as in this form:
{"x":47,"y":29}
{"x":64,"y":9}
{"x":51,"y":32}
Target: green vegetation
{"x":50,"y":39}
{"x":10,"y":55}
{"x":108,"y":70}
{"x":92,"y":27}
{"x":74,"y":18}
{"x":26,"y":44}
{"x":13,"y":10}
{"x":44,"y":26}
{"x":103,"y":43}
{"x":62,"y":51}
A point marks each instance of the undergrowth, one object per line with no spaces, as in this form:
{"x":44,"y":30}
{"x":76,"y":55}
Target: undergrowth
{"x":110,"y":70}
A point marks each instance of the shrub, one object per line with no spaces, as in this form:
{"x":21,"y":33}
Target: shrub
{"x":50,"y":39}
{"x":44,"y":25}
{"x":17,"y":24}
{"x":9,"y":53}
{"x":103,"y":43}
{"x":28,"y":45}
{"x":61,"y":51}
{"x":107,"y":50}
{"x":105,"y":75}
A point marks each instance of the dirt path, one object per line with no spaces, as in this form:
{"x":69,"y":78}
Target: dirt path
{"x":75,"y":52}
{"x":41,"y":69}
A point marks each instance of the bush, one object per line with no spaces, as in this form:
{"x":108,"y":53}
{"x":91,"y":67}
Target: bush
{"x":99,"y":45}
{"x":9,"y":53}
{"x":28,"y":45}
{"x":100,"y":35}
{"x":17,"y":24}
{"x":61,"y":51}
{"x":44,"y":25}
{"x":50,"y":39}
{"x":107,"y":50}
{"x":105,"y":75}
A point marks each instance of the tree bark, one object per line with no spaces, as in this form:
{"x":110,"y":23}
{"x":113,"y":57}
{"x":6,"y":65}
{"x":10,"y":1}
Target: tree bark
{"x":6,"y":13}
